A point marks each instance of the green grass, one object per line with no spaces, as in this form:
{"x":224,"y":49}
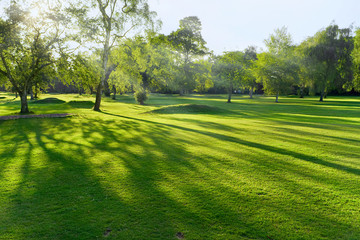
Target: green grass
{"x":252,"y":169}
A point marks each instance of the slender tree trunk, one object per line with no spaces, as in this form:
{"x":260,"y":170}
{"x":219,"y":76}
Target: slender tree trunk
{"x":229,"y":95}
{"x":114,"y":92}
{"x":24,"y":103}
{"x":16,"y":94}
{"x":98,"y":97}
{"x":31,"y":94}
{"x":301,"y":92}
{"x":277,"y":97}
{"x":106,"y":54}
{"x":322,"y":96}
{"x":251,"y":92}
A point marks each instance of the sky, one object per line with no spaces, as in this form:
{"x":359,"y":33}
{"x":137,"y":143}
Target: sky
{"x":229,"y":25}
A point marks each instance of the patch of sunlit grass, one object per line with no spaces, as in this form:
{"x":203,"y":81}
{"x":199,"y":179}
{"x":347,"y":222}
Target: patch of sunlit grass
{"x":251,"y":170}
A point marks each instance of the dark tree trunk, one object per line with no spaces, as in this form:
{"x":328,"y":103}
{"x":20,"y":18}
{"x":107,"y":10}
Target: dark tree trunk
{"x":24,"y":103}
{"x":322,"y":96}
{"x":301,"y":92}
{"x":16,"y":94}
{"x":114,"y":92}
{"x":251,"y":92}
{"x":98,"y":97}
{"x":277,"y":97}
{"x":229,"y":95}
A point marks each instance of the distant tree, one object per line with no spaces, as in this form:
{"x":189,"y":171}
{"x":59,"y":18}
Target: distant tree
{"x":276,"y":68}
{"x":27,"y":45}
{"x":203,"y":76}
{"x":189,"y":45}
{"x":328,"y":60}
{"x":229,"y":71}
{"x":249,"y":78}
{"x":84,"y":72}
{"x":356,"y":61}
{"x":277,"y":73}
{"x":105,"y":22}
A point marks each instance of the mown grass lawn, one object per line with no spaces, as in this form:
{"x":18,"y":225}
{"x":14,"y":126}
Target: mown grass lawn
{"x":193,"y":165}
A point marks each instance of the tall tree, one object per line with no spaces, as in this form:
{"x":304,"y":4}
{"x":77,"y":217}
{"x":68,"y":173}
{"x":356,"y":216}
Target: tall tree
{"x":356,"y":61}
{"x":249,"y":79}
{"x":328,"y":60}
{"x":28,"y":39}
{"x":105,"y":22}
{"x":276,"y":68}
{"x":229,"y":71}
{"x":189,"y":44}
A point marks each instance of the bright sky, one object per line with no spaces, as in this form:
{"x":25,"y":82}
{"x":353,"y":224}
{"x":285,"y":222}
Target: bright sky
{"x":235,"y":24}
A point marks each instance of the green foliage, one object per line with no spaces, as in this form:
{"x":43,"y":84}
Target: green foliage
{"x":188,"y":44}
{"x":356,"y":61}
{"x":106,"y":22}
{"x":203,"y":76}
{"x":229,"y":71}
{"x":327,"y":61}
{"x":28,"y":44}
{"x":141,"y":96}
{"x":277,"y":73}
{"x":249,"y":78}
{"x":277,"y":69}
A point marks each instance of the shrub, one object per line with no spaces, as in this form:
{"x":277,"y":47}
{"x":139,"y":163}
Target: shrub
{"x":141,"y":96}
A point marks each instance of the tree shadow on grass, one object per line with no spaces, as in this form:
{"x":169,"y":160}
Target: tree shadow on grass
{"x":68,"y":190}
{"x":227,"y":138}
{"x":80,"y":177}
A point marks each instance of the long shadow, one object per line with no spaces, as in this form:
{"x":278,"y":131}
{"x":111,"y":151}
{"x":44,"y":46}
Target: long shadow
{"x":282,"y":151}
{"x":73,"y":200}
{"x":135,"y":177}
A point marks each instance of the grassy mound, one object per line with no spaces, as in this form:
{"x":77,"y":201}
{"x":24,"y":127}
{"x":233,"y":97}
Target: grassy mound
{"x":50,"y":100}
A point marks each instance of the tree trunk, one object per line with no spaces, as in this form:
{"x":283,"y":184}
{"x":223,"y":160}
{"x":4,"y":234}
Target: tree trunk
{"x":251,"y":92}
{"x":229,"y":95}
{"x":105,"y":59}
{"x":106,"y":87}
{"x":24,"y":103}
{"x":277,"y":97}
{"x":31,"y":94}
{"x":36,"y":93}
{"x":16,"y":94}
{"x":114,"y":92}
{"x":321,"y":96}
{"x":181,"y":92}
{"x":301,"y":92}
{"x":98,"y":97}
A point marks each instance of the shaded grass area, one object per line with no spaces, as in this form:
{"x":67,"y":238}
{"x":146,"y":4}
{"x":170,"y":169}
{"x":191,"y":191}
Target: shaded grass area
{"x":248,"y":170}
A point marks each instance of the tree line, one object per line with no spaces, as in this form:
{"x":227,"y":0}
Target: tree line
{"x":110,"y":47}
